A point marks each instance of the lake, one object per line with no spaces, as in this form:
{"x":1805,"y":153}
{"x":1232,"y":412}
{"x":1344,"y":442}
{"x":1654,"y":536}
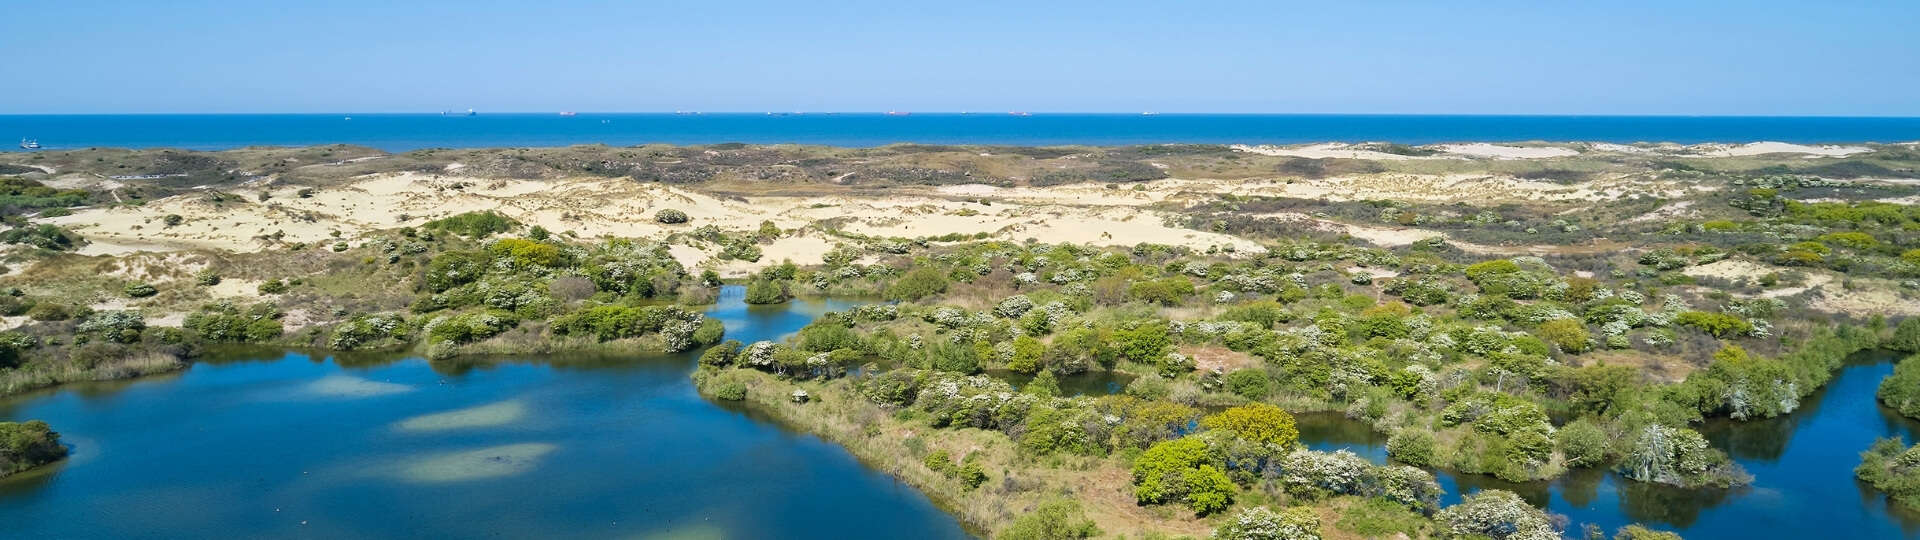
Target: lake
{"x":1802,"y":465}
{"x":272,"y":444}
{"x":269,"y":443}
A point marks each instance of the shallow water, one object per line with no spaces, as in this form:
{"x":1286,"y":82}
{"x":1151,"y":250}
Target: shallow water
{"x":274,"y":444}
{"x":1802,"y":466}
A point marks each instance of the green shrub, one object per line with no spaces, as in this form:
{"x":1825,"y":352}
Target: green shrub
{"x":1570,"y":335}
{"x":43,"y":236}
{"x":763,"y":291}
{"x":730,"y":390}
{"x":455,"y":268}
{"x":1053,"y":519}
{"x":1261,"y":523}
{"x":670,"y":216}
{"x":225,"y":323}
{"x":207,"y":277}
{"x":1027,"y":355}
{"x":473,"y":224}
{"x":1259,"y":422}
{"x":1584,"y":444}
{"x":1145,"y":343}
{"x":468,"y":327}
{"x":527,"y":253}
{"x":273,"y":286}
{"x":1160,"y":474}
{"x":1894,"y":468}
{"x":921,"y":282}
{"x":1412,"y":446}
{"x":140,"y":290}
{"x":1901,"y":390}
{"x":25,"y":445}
{"x":1906,"y":336}
{"x":1250,"y":383}
{"x":1720,"y":325}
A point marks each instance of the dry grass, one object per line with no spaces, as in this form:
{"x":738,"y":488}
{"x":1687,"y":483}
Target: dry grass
{"x":42,"y":376}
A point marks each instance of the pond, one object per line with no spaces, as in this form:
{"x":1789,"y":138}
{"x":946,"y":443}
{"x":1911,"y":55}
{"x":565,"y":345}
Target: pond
{"x":1802,"y":465}
{"x":279,"y":444}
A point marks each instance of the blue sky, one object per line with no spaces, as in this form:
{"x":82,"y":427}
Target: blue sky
{"x":1756,"y":57}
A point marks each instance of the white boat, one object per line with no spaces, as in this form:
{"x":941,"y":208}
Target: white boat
{"x":30,"y":144}
{"x":567,"y":113}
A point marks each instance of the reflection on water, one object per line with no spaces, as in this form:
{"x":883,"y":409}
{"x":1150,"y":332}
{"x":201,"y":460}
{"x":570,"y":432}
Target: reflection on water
{"x":559,"y":446}
{"x":1802,"y":465}
{"x":1092,"y":383}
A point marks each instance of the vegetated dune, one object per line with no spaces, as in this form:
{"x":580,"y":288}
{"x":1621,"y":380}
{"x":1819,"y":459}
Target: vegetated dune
{"x":618,"y":207}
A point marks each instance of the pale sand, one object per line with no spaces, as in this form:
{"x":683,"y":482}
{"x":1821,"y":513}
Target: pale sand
{"x":1770,"y":147}
{"x":231,"y":288}
{"x":348,"y":387}
{"x":1321,"y":151}
{"x":601,"y":207}
{"x":479,"y":464}
{"x":1497,"y":151}
{"x":1826,"y":292}
{"x":1380,"y":236}
{"x":495,"y":414}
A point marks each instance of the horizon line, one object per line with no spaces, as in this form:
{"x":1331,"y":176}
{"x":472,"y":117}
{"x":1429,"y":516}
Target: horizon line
{"x":974,"y":113}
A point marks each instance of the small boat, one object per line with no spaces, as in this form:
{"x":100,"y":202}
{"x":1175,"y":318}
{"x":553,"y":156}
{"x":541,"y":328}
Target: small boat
{"x":1019,"y":113}
{"x":567,"y":113}
{"x":1149,"y":113}
{"x":471,"y":113}
{"x":30,"y":144}
{"x":898,"y":113}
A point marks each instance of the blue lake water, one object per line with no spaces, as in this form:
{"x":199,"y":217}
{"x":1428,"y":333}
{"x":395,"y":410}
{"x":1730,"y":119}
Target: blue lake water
{"x":400,"y":132}
{"x":1802,"y":465}
{"x":276,"y":445}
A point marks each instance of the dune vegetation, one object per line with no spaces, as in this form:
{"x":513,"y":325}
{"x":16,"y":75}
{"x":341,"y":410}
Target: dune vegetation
{"x":1517,"y":311}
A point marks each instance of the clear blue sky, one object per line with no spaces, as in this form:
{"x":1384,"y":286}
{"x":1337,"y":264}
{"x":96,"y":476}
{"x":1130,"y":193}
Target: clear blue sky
{"x":1624,"y":57}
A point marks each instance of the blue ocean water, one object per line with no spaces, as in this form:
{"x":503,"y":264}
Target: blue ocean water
{"x":401,"y":132}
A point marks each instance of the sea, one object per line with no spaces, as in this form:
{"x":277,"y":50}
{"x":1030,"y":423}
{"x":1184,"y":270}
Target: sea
{"x":404,"y":132}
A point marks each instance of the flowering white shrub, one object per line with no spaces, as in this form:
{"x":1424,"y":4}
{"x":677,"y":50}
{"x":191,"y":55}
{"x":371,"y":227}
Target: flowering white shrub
{"x":1013,"y":306}
{"x":1339,"y":472}
{"x":1260,"y":523}
{"x":1496,"y":514}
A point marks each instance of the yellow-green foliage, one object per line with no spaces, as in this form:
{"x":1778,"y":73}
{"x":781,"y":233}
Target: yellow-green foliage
{"x":527,"y":253}
{"x":1258,"y":422}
